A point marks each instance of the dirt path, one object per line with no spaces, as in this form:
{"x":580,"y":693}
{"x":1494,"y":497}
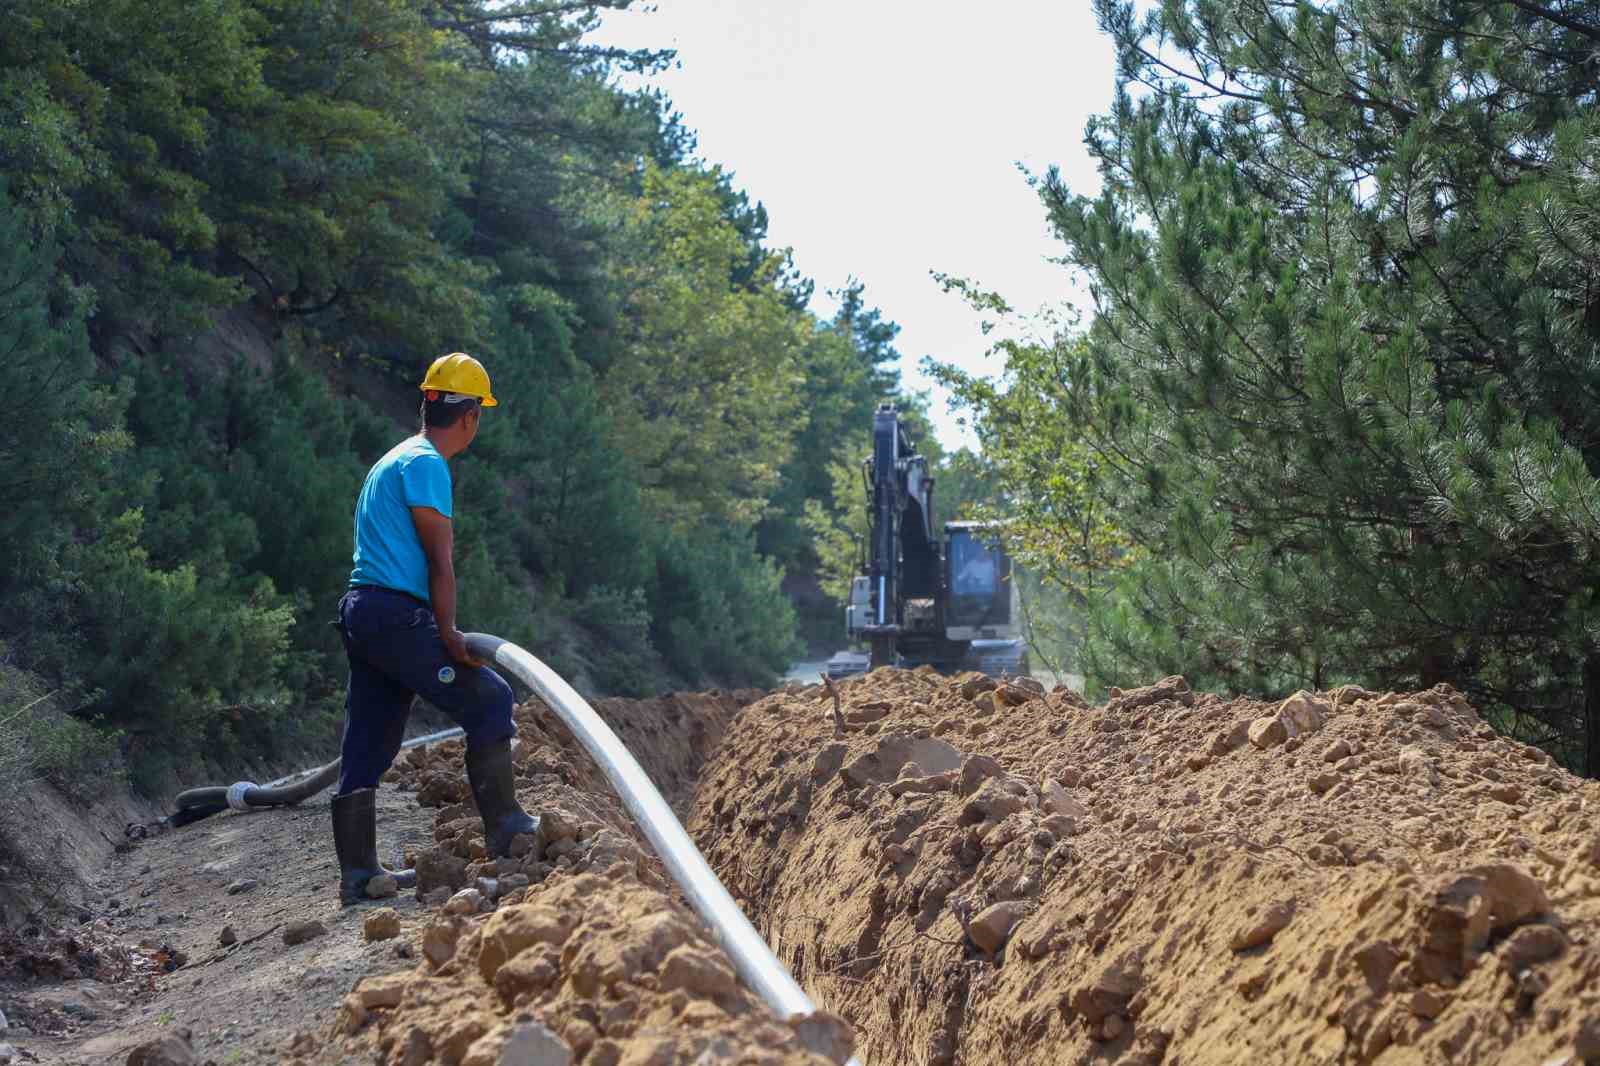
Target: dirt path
{"x":168,"y":898}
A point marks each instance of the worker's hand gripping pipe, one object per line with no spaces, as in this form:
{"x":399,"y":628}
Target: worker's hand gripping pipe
{"x":751,"y":956}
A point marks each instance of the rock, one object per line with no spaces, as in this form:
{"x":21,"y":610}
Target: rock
{"x":1506,"y":793}
{"x":244,"y":885}
{"x":300,"y":932}
{"x":438,"y":868}
{"x":1112,"y":1027}
{"x":488,"y":887}
{"x":1230,"y":739}
{"x":515,"y":929}
{"x":828,"y":761}
{"x":385,"y":991}
{"x":382,"y":887}
{"x":1462,"y":911}
{"x":381,"y":924}
{"x":1303,"y":713}
{"x":1339,"y":749}
{"x":439,"y":939}
{"x":995,"y":799}
{"x":532,"y":971}
{"x":1587,"y":1044}
{"x":993,"y":925}
{"x":1427,"y":1003}
{"x":1530,"y":945}
{"x":169,"y":1049}
{"x":1320,"y":783}
{"x":467,"y":901}
{"x":826,"y":1034}
{"x":1268,"y":732}
{"x":1053,"y":799}
{"x":973,"y":686}
{"x":1262,"y":927}
{"x":8,"y":1054}
{"x":698,"y":972}
{"x":530,"y":1043}
{"x":1197,"y":760}
{"x":975,"y":770}
{"x":226,"y":938}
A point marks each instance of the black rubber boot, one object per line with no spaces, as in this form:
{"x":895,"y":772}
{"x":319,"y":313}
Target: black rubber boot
{"x":494,"y":789}
{"x":355,"y":841}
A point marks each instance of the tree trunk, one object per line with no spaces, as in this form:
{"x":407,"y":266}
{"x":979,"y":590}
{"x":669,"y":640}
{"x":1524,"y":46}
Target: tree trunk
{"x":1591,"y":715}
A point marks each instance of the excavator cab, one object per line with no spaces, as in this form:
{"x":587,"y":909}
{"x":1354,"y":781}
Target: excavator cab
{"x":981,"y":590}
{"x":982,"y":608}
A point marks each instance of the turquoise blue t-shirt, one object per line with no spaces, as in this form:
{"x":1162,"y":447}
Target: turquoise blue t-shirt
{"x":388,"y":551}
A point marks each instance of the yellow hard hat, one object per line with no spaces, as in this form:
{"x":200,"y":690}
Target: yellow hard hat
{"x":460,"y":373}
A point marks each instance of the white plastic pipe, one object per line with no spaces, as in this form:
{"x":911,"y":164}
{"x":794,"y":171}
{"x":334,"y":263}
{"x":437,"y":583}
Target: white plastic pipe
{"x":751,"y":956}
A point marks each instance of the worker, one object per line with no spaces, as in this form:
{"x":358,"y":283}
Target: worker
{"x":398,"y":620}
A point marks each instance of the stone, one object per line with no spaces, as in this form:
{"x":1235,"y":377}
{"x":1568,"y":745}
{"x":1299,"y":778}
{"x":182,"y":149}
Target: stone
{"x":1427,"y":1003}
{"x":532,"y":971}
{"x":1339,"y":749}
{"x":381,"y":924}
{"x":995,"y":799}
{"x":382,"y":887}
{"x":1303,"y":713}
{"x":1320,"y":783}
{"x":1262,"y":927}
{"x":168,"y":1049}
{"x":824,"y":1033}
{"x":1506,"y":793}
{"x":1231,"y":739}
{"x":1587,"y":1044}
{"x":439,"y":939}
{"x":386,"y":991}
{"x":515,"y":929}
{"x":300,"y":932}
{"x":226,"y":938}
{"x":992,"y":926}
{"x":698,"y":972}
{"x":1112,"y":1027}
{"x":467,"y":901}
{"x":1268,"y":732}
{"x":973,"y":686}
{"x":1197,"y":760}
{"x":1463,"y":910}
{"x":8,"y":1054}
{"x":1053,"y":799}
{"x":977,"y":769}
{"x":439,"y":869}
{"x":530,"y":1043}
{"x":1531,"y":945}
{"x":243,"y":885}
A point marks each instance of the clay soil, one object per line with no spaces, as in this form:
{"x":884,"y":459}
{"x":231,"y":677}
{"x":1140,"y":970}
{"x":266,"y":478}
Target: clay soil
{"x":965,"y":872}
{"x":973,"y":875}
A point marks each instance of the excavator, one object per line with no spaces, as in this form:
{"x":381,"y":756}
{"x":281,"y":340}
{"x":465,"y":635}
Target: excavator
{"x":951,"y":603}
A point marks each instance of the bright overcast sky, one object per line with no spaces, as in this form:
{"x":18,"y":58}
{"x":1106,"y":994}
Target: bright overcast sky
{"x":883,"y":136}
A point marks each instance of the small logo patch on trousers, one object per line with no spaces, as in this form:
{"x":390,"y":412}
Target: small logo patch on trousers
{"x":447,"y":674}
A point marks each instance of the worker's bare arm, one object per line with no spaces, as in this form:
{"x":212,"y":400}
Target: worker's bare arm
{"x":438,"y":544}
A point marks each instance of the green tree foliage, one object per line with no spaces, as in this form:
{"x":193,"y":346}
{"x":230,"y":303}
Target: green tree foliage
{"x":705,"y":393}
{"x":236,"y":233}
{"x":1340,"y":379}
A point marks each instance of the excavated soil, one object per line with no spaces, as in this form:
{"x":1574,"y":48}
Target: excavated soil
{"x":982,"y":875}
{"x":968,"y":873}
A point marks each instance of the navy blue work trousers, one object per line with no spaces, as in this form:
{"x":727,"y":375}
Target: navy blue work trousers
{"x":395,"y":651}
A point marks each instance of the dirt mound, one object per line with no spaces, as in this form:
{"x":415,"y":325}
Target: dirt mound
{"x":582,"y":952}
{"x":588,"y":828}
{"x":600,"y":968}
{"x":982,"y":873}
